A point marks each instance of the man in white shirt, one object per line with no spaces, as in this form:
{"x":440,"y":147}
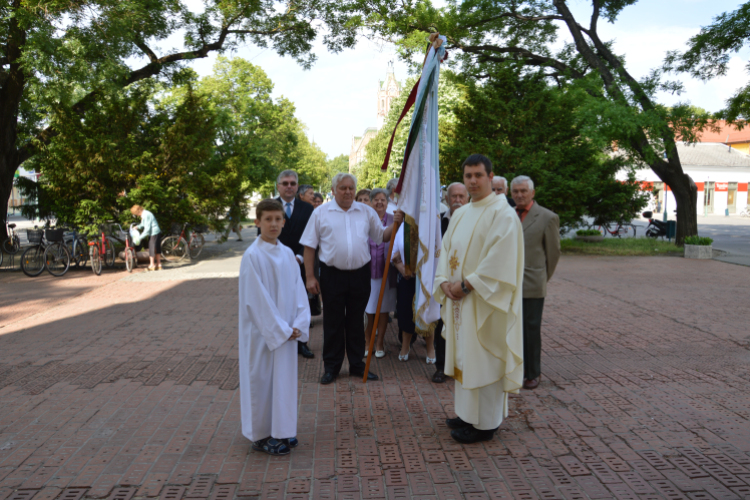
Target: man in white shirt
{"x":341,"y":228}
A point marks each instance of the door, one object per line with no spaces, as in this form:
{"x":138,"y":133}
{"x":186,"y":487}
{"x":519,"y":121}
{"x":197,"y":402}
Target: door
{"x":709,"y":198}
{"x":732,"y":198}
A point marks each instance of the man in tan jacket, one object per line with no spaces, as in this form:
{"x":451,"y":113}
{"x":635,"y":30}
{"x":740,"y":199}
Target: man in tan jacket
{"x":541,"y":234}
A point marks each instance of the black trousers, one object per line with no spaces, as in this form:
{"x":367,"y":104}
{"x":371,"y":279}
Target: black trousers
{"x":532,"y":337}
{"x":439,"y":346}
{"x":345,"y":295}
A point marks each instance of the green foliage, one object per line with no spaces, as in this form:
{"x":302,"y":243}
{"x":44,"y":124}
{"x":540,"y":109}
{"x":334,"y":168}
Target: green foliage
{"x":188,"y":153}
{"x":625,"y":247}
{"x":588,"y":232}
{"x":369,"y":173}
{"x":708,"y":56}
{"x":528,"y":128}
{"x":335,"y":165}
{"x":699,"y":240}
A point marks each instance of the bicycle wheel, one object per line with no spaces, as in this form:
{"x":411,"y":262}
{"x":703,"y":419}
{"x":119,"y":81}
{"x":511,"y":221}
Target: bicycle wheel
{"x":32,"y":261}
{"x":57,"y":259}
{"x":96,"y":260}
{"x":80,"y":253}
{"x":109,"y":253}
{"x":602,"y":228}
{"x":11,"y":245}
{"x":196,"y":245}
{"x":629,"y":230}
{"x":129,"y":259}
{"x":173,"y":248}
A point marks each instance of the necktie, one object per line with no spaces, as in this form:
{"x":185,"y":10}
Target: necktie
{"x":289,"y":209}
{"x":520,"y":212}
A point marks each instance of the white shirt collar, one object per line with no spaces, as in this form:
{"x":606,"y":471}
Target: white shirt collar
{"x":285,"y":202}
{"x":335,"y":206}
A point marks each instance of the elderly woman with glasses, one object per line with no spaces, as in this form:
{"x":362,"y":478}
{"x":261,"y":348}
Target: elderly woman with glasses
{"x":379,"y":202}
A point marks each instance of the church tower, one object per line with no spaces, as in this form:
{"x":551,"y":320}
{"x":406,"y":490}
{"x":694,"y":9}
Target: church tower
{"x":387,"y":91}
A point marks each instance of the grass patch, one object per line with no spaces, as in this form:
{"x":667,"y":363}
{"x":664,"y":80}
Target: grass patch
{"x":620,"y":246}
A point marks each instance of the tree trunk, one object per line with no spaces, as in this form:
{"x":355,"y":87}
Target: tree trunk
{"x":6,"y":186}
{"x":686,"y":196}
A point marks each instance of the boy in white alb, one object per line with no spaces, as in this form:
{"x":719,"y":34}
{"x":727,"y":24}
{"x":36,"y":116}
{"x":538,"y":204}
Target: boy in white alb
{"x":274,"y":315}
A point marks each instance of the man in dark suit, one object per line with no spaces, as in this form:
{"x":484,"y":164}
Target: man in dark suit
{"x":296,"y":215}
{"x":541,"y":237}
{"x":458,"y":196}
{"x":500,"y":187}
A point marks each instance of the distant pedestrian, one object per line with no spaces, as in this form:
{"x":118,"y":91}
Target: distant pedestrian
{"x":341,"y":228}
{"x":541,"y":236}
{"x":363,"y":196}
{"x":273,"y":317}
{"x":306,"y":193}
{"x":149,"y":227}
{"x":377,"y":266}
{"x":500,"y":187}
{"x":317,"y":200}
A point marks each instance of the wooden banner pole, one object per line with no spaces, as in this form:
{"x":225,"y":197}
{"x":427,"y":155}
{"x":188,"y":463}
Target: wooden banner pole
{"x":383,"y":283}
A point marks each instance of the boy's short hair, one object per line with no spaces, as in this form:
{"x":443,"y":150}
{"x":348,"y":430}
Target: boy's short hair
{"x":361,"y":192}
{"x":268,"y":205}
{"x":477,"y":159}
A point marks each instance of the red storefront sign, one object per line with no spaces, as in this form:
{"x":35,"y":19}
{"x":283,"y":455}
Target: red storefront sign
{"x":721,"y":186}
{"x":742,"y":187}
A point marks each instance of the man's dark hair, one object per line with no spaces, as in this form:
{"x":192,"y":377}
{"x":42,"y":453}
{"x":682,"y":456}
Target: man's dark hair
{"x":268,"y":205}
{"x":304,"y":188}
{"x":318,"y":196}
{"x":477,"y":159}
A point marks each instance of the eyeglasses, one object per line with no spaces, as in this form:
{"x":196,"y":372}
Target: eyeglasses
{"x":288,"y":183}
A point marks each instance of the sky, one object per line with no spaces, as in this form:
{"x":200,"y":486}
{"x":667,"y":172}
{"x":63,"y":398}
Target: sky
{"x":336,"y":99}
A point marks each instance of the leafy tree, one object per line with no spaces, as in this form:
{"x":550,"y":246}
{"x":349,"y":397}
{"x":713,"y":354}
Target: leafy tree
{"x":528,"y":128}
{"x":124,"y":151}
{"x":76,"y":54}
{"x":335,"y":165}
{"x":484,"y":33}
{"x":708,"y":57}
{"x":369,"y":173}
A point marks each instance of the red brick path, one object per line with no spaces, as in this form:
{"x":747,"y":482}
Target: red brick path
{"x":129,"y":391}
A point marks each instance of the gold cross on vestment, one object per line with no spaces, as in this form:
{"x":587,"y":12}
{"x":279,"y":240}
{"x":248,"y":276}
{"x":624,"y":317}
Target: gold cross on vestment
{"x":453,"y":262}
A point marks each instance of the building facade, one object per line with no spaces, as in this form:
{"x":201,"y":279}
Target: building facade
{"x":720,"y":172}
{"x":387,"y":91}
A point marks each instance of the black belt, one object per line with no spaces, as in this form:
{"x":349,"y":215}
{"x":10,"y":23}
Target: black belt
{"x":326,"y":266}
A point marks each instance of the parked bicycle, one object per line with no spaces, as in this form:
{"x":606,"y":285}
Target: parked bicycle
{"x":627,"y":230}
{"x":78,"y":248}
{"x":129,"y":255}
{"x":56,"y":255}
{"x":101,"y":250}
{"x":32,"y":259}
{"x":12,"y":243}
{"x":745,"y":212}
{"x":177,"y":247}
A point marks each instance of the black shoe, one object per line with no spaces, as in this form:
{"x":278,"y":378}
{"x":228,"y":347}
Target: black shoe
{"x":456,"y":423}
{"x":471,"y":434}
{"x":272,"y":446}
{"x":439,"y":377}
{"x":370,"y":375}
{"x":304,"y":350}
{"x":292,"y":442}
{"x":327,"y":378}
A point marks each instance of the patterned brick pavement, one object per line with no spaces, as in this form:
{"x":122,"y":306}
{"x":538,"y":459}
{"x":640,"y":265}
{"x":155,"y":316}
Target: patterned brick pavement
{"x":128,"y":390}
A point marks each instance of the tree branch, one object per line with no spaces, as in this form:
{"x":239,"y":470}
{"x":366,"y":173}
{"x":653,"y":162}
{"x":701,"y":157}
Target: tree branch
{"x":146,"y":50}
{"x":531,"y":58}
{"x":513,"y":15}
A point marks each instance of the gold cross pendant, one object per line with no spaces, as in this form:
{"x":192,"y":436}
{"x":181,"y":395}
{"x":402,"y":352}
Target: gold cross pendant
{"x":453,"y":262}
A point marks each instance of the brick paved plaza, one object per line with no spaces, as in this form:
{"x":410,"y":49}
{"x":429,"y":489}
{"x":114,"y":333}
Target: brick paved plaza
{"x":127,"y":388}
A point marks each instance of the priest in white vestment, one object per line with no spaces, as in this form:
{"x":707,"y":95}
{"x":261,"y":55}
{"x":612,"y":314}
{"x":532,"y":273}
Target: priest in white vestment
{"x":274,"y":314}
{"x":479,"y":282}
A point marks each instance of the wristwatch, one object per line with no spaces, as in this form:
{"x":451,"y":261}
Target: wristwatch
{"x":464,"y":289}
